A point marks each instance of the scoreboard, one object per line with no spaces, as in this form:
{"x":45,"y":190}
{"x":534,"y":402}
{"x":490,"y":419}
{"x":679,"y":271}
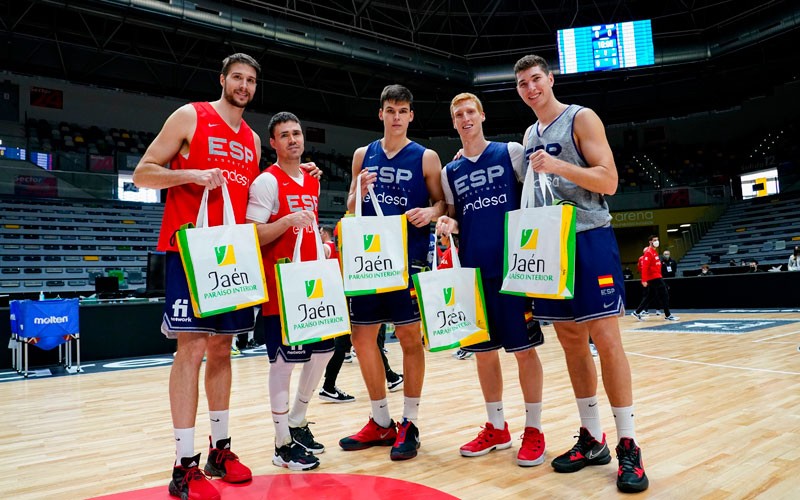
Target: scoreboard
{"x":605,"y":47}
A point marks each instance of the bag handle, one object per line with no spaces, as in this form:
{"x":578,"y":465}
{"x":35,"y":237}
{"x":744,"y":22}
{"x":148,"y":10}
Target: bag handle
{"x":299,"y":243}
{"x":529,"y":189}
{"x":453,"y":254}
{"x":371,"y":192}
{"x":228,"y":217}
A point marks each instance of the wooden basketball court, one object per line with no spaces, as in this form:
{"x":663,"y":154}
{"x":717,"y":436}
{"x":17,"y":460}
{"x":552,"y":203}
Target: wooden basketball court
{"x":718,"y":416}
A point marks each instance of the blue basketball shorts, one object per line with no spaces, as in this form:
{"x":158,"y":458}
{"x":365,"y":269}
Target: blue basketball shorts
{"x":178,"y":313}
{"x":599,"y":286}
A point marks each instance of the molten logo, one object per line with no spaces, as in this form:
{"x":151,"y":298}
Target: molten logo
{"x":529,"y":239}
{"x":225,"y":255}
{"x":314,"y":289}
{"x":449,"y":296}
{"x":372,"y":242}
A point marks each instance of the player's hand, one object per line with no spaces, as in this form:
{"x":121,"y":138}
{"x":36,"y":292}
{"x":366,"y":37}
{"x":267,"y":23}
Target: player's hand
{"x":312,"y":169}
{"x":458,"y":154}
{"x":301,"y":219}
{"x":211,"y":178}
{"x":542,"y":163}
{"x":367,"y":179}
{"x":419,"y":217}
{"x":446,"y":225}
{"x":644,"y":284}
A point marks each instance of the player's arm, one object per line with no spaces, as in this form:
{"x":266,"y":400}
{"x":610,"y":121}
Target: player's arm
{"x":263,"y":202}
{"x":367,"y":178}
{"x":174,"y":138}
{"x":447,"y":224}
{"x":600,"y":176}
{"x":432,"y":172}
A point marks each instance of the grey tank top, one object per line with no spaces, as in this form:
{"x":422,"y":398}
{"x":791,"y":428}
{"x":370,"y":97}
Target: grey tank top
{"x":557,"y":139}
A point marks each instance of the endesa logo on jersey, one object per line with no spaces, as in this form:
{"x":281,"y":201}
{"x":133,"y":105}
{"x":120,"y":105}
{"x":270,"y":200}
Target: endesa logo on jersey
{"x":480,"y":179}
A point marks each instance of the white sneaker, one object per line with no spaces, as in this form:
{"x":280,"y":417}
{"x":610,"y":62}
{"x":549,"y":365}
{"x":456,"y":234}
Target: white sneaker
{"x":672,"y":317}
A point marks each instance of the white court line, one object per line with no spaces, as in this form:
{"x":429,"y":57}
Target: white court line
{"x":778,"y":336}
{"x":717,"y":365}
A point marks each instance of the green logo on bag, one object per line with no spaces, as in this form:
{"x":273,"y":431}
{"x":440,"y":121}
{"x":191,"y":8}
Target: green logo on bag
{"x":372,"y":242}
{"x":529,"y":239}
{"x":314,"y":289}
{"x":225,"y":255}
{"x":449,"y":296}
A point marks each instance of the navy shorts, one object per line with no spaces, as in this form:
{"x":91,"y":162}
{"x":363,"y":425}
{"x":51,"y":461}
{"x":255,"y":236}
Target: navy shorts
{"x":599,"y":286}
{"x":398,"y":307}
{"x":511,"y":323}
{"x":290,"y":354}
{"x":178,"y":313}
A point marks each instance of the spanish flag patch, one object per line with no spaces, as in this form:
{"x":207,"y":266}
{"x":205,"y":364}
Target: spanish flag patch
{"x":605,"y":281}
{"x":413,"y":292}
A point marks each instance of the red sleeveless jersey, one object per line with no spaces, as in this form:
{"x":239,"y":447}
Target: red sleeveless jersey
{"x":214,"y":145}
{"x":292,"y":197}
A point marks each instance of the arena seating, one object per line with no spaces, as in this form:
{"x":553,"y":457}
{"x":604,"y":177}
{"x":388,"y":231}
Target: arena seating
{"x":61,"y":245}
{"x":761,"y":229}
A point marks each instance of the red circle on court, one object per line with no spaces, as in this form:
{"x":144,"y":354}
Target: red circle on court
{"x":303,"y":485}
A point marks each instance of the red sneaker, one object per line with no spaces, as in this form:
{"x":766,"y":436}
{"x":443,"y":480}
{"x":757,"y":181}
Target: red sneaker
{"x":489,"y":439}
{"x":224,"y":463}
{"x":371,"y":435}
{"x":190,"y":483}
{"x":532,"y":450}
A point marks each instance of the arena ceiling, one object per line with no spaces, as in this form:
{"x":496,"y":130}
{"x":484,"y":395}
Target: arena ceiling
{"x":328,"y":60}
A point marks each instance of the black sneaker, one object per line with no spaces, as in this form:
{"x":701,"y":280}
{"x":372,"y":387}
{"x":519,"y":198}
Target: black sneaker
{"x":335,"y":396}
{"x":587,"y":451}
{"x":189,"y":481}
{"x":251,"y":344}
{"x":396,"y":383}
{"x":303,"y":437}
{"x":294,"y":457}
{"x":630,"y":475}
{"x":407,"y":442}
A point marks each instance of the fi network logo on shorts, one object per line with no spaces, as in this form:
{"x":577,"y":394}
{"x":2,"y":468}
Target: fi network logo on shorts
{"x":314,"y":289}
{"x":225,"y":255}
{"x":529,"y":239}
{"x":449,"y":296}
{"x":372,"y":243}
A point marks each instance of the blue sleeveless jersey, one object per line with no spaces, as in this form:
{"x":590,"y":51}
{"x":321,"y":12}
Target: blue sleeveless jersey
{"x":399,"y":188}
{"x":483,"y":191}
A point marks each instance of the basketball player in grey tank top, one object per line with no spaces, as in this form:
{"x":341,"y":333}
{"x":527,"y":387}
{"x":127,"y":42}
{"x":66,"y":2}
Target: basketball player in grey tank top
{"x":569,"y":144}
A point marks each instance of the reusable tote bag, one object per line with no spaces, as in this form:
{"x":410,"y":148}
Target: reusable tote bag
{"x":222,"y":263}
{"x":539,"y":258}
{"x":452,"y":306}
{"x":311,"y":297}
{"x":374,"y":250}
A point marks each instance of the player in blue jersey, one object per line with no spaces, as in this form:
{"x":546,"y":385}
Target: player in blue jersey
{"x":406,"y":180}
{"x":479,"y":188}
{"x":568,"y":143}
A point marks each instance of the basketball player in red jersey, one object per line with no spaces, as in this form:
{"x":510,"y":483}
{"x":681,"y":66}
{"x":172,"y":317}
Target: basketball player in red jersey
{"x":205,"y":145}
{"x":283,"y":202}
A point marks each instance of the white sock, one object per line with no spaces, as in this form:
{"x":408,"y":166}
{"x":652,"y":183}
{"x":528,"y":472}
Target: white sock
{"x":309,"y":380}
{"x":280,"y":376}
{"x":219,"y":425}
{"x":623,"y":417}
{"x":411,"y":408}
{"x":184,"y":443}
{"x":497,"y":416}
{"x":533,"y":415}
{"x":590,"y":416}
{"x":380,"y":412}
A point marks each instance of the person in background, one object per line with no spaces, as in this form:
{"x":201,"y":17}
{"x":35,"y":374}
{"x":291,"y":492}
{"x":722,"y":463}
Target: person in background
{"x":668,"y":265}
{"x":794,"y":260}
{"x":653,"y":282}
{"x":705,"y":271}
{"x":753,"y":267}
